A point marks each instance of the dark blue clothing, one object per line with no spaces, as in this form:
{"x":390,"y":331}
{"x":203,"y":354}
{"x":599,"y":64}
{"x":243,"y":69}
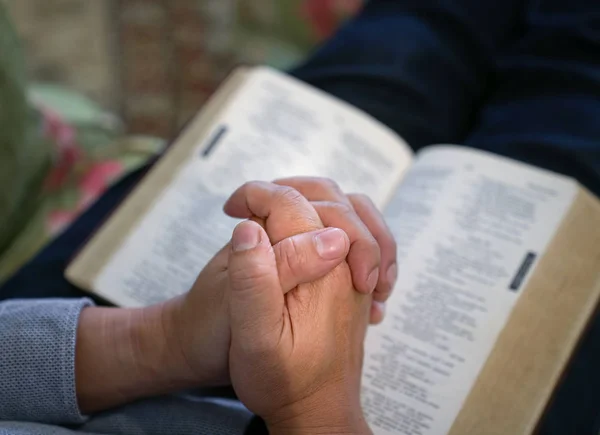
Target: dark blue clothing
{"x":517,"y":78}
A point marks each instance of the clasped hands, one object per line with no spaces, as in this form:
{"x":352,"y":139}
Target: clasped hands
{"x":280,"y":312}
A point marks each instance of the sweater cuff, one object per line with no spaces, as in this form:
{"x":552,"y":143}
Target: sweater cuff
{"x":37,"y":360}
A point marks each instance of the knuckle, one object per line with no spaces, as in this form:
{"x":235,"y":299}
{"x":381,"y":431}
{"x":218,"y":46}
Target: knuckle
{"x":351,"y":222}
{"x":343,"y":209}
{"x":291,"y":256}
{"x":377,"y":224}
{"x":251,"y":189}
{"x":330,"y":185}
{"x":287,"y":181}
{"x":386,"y":239}
{"x":362,"y":199}
{"x":258,"y":185}
{"x":249,"y":185}
{"x":250,"y":277}
{"x":366,"y":247}
{"x":340,"y":215}
{"x":329,"y":182}
{"x":393,"y":245}
{"x":373,"y":243}
{"x":288,"y":195}
{"x":373,"y":248}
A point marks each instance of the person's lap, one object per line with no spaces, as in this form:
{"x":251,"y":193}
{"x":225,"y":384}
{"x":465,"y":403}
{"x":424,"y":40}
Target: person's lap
{"x":541,"y":106}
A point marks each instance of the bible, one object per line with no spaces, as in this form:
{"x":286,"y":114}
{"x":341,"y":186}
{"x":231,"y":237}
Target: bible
{"x":498,"y":260}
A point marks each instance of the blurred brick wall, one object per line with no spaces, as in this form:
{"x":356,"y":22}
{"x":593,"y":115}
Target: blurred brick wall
{"x":172,"y":59}
{"x":155,"y":62}
{"x":69,"y":42}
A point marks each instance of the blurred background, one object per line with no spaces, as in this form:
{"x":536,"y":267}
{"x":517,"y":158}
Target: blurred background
{"x":154,"y":62}
{"x":90,"y":91}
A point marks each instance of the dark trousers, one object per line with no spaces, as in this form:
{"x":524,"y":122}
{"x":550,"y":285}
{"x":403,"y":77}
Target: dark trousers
{"x":517,"y":78}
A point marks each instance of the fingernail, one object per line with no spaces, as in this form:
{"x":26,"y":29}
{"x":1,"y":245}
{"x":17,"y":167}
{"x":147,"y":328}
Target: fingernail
{"x":392,"y":275}
{"x":245,"y":237}
{"x":373,"y":278}
{"x":330,"y":243}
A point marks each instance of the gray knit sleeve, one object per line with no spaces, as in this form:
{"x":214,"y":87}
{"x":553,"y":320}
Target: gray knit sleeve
{"x":37,"y":360}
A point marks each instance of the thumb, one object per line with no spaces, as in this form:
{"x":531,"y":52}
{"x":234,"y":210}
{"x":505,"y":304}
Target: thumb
{"x":256,"y":302}
{"x":309,"y":256}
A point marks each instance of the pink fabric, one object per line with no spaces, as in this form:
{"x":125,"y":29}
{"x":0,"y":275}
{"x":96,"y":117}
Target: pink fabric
{"x":74,"y":172}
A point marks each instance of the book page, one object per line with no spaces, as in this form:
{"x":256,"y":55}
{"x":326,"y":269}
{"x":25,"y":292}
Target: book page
{"x":276,"y":127}
{"x":470,"y":228}
{"x":95,"y":254}
{"x":279,"y":127}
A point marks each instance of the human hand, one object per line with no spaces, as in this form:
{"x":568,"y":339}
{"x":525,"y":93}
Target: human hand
{"x":295,"y":359}
{"x":198,"y":322}
{"x":282,"y":209}
{"x":127,"y":354}
{"x":373,"y":248}
{"x":185,"y":342}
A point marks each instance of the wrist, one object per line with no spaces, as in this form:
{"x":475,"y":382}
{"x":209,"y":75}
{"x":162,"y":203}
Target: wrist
{"x":354,"y":427}
{"x":123,"y":355}
{"x":319,"y":417}
{"x":156,"y":335}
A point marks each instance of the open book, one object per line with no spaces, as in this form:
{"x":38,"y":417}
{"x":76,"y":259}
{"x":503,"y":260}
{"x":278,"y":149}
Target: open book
{"x":498,"y":261}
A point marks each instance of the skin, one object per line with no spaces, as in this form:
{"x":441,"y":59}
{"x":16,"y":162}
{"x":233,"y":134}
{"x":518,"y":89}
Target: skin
{"x":296,"y":357}
{"x":126,"y":354}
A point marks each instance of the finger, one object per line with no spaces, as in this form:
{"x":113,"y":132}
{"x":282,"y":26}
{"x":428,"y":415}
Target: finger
{"x":256,"y":301}
{"x":292,"y":213}
{"x":307,"y":257}
{"x":377,"y":313}
{"x":374,"y":221}
{"x":315,"y":188}
{"x":364,"y":255}
{"x":336,"y":210}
